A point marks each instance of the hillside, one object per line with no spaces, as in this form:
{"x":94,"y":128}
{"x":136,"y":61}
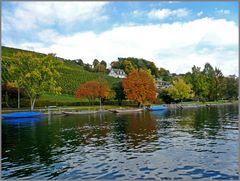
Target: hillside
{"x":72,"y":74}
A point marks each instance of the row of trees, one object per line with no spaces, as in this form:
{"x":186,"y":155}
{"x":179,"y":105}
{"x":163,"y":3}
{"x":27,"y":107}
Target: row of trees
{"x":138,"y":87}
{"x":208,"y":84}
{"x":129,"y":64}
{"x":95,"y":67}
{"x":99,"y":66}
{"x":35,"y":75}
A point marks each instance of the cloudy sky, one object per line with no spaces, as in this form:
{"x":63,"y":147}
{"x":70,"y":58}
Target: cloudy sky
{"x":174,"y":35}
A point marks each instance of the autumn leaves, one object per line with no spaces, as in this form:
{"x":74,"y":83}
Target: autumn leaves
{"x":138,"y":87}
{"x":93,"y":89}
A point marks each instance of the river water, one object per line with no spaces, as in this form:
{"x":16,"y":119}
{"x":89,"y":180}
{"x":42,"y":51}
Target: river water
{"x":192,"y":143}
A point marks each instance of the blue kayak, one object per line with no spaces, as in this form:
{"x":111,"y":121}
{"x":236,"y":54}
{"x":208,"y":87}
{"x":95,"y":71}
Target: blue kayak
{"x":157,"y":108}
{"x":21,"y":115}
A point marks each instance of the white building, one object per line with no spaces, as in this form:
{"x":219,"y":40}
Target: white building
{"x":117,"y":73}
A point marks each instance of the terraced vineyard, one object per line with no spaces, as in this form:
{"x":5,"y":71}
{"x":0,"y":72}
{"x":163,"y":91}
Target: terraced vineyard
{"x":72,"y":74}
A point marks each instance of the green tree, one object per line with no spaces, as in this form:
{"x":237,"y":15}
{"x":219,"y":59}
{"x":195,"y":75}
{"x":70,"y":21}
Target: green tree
{"x":103,"y":63}
{"x":79,"y":62}
{"x":180,"y":90}
{"x":95,"y":63}
{"x":165,"y":74}
{"x":208,"y":71}
{"x":199,"y":83}
{"x":218,"y":84}
{"x":100,"y":68}
{"x":115,"y":65}
{"x":230,"y":87}
{"x":36,"y":75}
{"x":88,"y":67}
{"x":127,"y":66}
{"x":139,"y":63}
{"x":153,"y":68}
{"x":119,"y":92}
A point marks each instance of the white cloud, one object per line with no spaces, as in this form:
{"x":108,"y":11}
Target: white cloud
{"x":171,"y":2}
{"x":48,"y":35}
{"x":30,"y":15}
{"x":224,"y":11}
{"x":200,"y":13}
{"x":177,"y":46}
{"x":165,"y":13}
{"x":137,"y":13}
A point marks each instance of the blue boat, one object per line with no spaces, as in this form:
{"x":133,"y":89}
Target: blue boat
{"x":21,"y":115}
{"x":157,"y":108}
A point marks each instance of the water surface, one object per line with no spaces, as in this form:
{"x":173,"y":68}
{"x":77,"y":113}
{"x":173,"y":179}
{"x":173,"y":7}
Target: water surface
{"x":193,"y":143}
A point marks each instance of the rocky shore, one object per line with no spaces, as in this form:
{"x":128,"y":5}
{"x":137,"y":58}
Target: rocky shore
{"x":181,"y":106}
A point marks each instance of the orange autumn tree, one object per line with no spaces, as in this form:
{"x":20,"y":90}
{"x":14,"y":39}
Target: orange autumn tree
{"x":139,"y":87}
{"x":93,"y":89}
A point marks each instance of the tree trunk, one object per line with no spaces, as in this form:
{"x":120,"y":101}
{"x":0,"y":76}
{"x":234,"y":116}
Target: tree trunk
{"x":6,"y":99}
{"x":32,"y":102}
{"x":119,"y":102}
{"x":139,"y":104}
{"x":18,"y":98}
{"x":100,"y":104}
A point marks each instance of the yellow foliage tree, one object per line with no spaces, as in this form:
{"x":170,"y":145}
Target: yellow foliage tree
{"x":180,"y":90}
{"x":36,"y":75}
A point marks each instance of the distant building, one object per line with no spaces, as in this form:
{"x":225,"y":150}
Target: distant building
{"x":117,"y":73}
{"x":159,"y":83}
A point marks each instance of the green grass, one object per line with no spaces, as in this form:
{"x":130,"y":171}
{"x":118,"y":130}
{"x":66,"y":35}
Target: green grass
{"x":59,"y":98}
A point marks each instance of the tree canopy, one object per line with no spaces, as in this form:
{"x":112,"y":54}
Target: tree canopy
{"x":93,"y":89}
{"x":130,"y":63}
{"x":180,"y":90}
{"x":139,"y":87}
{"x":119,"y":92}
{"x":36,"y":75}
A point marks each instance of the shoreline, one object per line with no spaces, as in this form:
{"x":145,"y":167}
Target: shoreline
{"x":196,"y":105}
{"x":107,"y":108}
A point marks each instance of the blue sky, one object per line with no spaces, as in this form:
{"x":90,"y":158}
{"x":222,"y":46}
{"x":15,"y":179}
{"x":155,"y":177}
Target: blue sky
{"x":174,"y":35}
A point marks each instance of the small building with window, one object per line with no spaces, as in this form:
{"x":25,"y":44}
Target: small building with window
{"x":117,"y":73}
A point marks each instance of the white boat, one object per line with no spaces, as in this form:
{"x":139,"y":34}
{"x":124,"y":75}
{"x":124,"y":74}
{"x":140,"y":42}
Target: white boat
{"x":127,"y":110}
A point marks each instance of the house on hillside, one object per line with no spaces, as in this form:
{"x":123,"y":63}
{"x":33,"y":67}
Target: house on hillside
{"x":159,"y":83}
{"x":117,"y":73}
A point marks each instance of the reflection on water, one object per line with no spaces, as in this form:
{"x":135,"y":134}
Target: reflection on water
{"x":195,"y":143}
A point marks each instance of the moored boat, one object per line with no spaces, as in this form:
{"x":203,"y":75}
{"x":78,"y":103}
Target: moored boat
{"x":21,"y":115}
{"x":157,"y":108}
{"x":127,"y":110}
